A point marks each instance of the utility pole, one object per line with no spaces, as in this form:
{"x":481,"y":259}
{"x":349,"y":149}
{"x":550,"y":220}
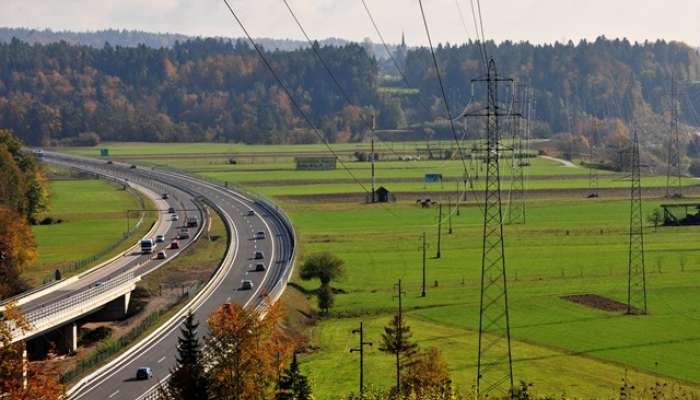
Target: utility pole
{"x":372,"y":128}
{"x":636,"y":284}
{"x":449,"y":217}
{"x":494,"y":360}
{"x":361,"y":350}
{"x":439,"y":232}
{"x":399,"y":336}
{"x":423,"y":286}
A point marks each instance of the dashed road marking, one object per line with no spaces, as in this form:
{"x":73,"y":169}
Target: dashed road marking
{"x":161,"y":359}
{"x":113,"y":394}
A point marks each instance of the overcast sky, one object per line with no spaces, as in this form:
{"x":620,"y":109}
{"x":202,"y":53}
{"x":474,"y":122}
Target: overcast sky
{"x":534,"y":20}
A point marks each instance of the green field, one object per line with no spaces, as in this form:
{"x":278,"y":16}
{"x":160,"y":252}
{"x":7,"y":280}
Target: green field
{"x":94,"y":216}
{"x":570,"y":245}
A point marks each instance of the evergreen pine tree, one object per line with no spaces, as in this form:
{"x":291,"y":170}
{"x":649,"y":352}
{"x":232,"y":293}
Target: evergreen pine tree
{"x":396,"y":340}
{"x":187,"y":380}
{"x":294,"y":385}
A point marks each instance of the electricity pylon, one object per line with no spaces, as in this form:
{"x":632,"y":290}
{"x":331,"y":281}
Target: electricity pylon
{"x":494,"y":361}
{"x":593,"y":185}
{"x":516,"y":194}
{"x":673,"y":162}
{"x":636,"y":286}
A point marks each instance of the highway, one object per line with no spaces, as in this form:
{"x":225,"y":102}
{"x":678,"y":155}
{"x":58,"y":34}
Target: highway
{"x":40,"y":306}
{"x":116,"y":380}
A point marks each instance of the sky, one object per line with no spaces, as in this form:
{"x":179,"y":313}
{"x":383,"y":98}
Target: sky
{"x":538,"y":21}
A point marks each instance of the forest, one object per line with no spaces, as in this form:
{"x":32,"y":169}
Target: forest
{"x":219,"y":90}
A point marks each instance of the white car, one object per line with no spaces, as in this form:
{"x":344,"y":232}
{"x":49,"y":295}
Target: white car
{"x":160,"y":238}
{"x":246,"y":285}
{"x":174,"y":217}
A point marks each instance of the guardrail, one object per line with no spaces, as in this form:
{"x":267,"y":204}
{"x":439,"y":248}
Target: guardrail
{"x":78,"y":304}
{"x":155,"y":393}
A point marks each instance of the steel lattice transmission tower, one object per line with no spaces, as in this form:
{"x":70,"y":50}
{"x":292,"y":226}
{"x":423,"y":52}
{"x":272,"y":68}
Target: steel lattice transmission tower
{"x":636,"y":287}
{"x":593,"y":185}
{"x":673,"y":164}
{"x":516,"y":194}
{"x":494,"y":361}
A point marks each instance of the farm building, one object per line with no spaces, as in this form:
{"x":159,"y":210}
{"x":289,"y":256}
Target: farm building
{"x":382,"y":195}
{"x":315,"y":163}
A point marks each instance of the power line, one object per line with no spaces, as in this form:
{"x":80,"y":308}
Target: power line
{"x":442,"y":91}
{"x":391,"y":55}
{"x":296,"y":105}
{"x":479,"y":38}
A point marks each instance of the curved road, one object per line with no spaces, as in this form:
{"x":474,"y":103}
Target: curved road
{"x":116,"y":381}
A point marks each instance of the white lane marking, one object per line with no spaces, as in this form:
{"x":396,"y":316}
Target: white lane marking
{"x":161,"y":360}
{"x":113,"y":394}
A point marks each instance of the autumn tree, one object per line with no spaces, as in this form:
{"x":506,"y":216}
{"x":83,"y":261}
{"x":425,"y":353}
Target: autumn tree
{"x":427,"y":376}
{"x":245,"y":352}
{"x":23,"y":186}
{"x":17,"y":250}
{"x":293,"y":384}
{"x":188,"y":380}
{"x":40,"y":383}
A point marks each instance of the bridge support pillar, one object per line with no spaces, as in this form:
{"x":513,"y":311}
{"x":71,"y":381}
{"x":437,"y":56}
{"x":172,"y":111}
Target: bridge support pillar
{"x":114,"y":310}
{"x":70,"y":338}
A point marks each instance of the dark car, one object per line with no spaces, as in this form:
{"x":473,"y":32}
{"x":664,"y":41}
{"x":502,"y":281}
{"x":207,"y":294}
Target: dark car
{"x":174,"y":245}
{"x":164,"y":196}
{"x":246,"y":285}
{"x":260,"y":267}
{"x":132,"y":166}
{"x":171,"y":210}
{"x":144,"y":373}
{"x":161,"y":255}
{"x":258,"y":255}
{"x":260,"y":235}
{"x":251,"y":213}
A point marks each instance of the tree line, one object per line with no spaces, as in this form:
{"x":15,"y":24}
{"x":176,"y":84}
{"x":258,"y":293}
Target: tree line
{"x":23,"y":194}
{"x":219,"y":90}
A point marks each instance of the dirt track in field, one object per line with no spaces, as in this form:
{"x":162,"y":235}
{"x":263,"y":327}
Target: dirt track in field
{"x":596,"y":301}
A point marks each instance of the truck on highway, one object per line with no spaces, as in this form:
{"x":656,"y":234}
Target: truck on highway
{"x":147,"y":246}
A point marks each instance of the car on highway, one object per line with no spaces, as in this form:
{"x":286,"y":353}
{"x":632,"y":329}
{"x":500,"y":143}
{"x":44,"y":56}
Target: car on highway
{"x":258,"y":255}
{"x":161,"y":255}
{"x":260,"y":267}
{"x":174,"y":245}
{"x":160,"y":238}
{"x":250,"y":213}
{"x":174,"y":217}
{"x":246,"y":285}
{"x":260,"y":235}
{"x":132,"y":166}
{"x":164,"y":196}
{"x":183,"y":234}
{"x":171,"y":210}
{"x":144,"y":373}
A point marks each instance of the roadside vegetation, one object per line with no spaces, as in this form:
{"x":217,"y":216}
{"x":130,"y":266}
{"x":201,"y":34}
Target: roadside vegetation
{"x":23,"y":195}
{"x":85,"y":218}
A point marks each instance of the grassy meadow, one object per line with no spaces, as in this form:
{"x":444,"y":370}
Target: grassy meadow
{"x":569,"y":245}
{"x":94,"y":216}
